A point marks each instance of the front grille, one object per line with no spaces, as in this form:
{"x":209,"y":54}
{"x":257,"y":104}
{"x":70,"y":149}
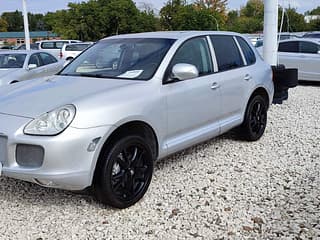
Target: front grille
{"x":3,"y":148}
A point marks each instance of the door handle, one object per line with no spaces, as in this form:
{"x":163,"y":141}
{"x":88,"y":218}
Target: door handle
{"x":215,"y":86}
{"x":247,"y":77}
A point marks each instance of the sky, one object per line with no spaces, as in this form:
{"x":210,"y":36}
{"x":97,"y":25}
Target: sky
{"x":43,"y":6}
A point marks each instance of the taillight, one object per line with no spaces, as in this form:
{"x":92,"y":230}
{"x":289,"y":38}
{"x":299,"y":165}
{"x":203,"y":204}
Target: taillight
{"x":61,"y":55}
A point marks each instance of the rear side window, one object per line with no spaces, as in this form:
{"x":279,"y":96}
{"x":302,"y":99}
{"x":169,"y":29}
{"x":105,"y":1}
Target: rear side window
{"x":47,"y":58}
{"x":76,"y":47}
{"x":48,"y":45}
{"x":227,"y":52}
{"x":308,"y":47}
{"x":247,"y":51}
{"x":53,"y":45}
{"x":289,"y":47}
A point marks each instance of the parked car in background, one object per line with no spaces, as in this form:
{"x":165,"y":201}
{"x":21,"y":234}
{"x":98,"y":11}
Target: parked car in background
{"x":20,"y":65}
{"x":303,"y":54}
{"x":33,"y":46}
{"x":54,"y":46}
{"x":127,"y":101}
{"x":312,"y":35}
{"x":71,"y":50}
{"x":6,"y":47}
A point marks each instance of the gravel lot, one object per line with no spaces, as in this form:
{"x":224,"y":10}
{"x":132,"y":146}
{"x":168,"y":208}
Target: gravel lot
{"x":222,"y":189}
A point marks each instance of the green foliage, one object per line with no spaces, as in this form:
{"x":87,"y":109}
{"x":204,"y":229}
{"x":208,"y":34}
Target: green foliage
{"x":3,"y":25}
{"x":314,"y":25}
{"x":293,"y":21}
{"x":178,"y":15}
{"x":14,"y":20}
{"x":96,"y":19}
{"x":315,"y":11}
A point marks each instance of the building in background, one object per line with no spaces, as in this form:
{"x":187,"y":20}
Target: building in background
{"x":17,"y":38}
{"x":310,"y":18}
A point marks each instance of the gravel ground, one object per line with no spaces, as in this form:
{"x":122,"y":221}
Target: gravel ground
{"x":222,"y":189}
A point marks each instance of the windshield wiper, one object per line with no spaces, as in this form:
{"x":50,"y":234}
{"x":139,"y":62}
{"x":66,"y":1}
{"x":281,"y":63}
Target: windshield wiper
{"x":96,"y":75}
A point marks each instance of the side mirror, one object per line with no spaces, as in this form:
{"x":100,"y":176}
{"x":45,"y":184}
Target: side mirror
{"x":32,"y":66}
{"x":184,"y":71}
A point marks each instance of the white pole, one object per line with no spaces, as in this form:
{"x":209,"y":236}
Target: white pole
{"x":26,"y":24}
{"x":270,"y":32}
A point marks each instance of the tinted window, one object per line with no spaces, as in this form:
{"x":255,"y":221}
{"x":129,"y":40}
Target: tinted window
{"x":308,"y":47}
{"x":12,"y":60}
{"x":77,"y":47}
{"x":132,"y":58}
{"x":47,"y":58}
{"x":195,"y":52}
{"x":53,"y":45}
{"x":34,"y":59}
{"x":247,"y":51}
{"x":289,"y":47}
{"x":48,"y":45}
{"x":312,"y":35}
{"x":227,"y":52}
{"x":59,"y":45}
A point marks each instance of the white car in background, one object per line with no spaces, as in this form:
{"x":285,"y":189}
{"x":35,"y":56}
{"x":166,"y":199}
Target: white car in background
{"x":70,"y":51}
{"x":303,"y":54}
{"x":19,"y":65}
{"x":54,"y":46}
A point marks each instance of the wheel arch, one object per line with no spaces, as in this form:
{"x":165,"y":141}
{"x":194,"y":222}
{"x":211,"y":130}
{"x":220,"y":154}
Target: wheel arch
{"x":136,"y":127}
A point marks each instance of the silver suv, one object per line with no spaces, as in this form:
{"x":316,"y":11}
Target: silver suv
{"x":126,"y":102}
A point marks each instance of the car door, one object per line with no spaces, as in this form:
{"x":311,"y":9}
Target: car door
{"x":309,"y":56}
{"x":193,"y":105}
{"x":234,"y":78}
{"x":51,"y":64}
{"x":288,"y":54}
{"x":36,"y":72}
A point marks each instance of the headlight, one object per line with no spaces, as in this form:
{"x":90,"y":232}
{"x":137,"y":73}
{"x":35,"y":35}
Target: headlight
{"x":52,"y":123}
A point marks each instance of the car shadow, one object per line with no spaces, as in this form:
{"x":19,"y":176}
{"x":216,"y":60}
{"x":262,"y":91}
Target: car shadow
{"x":27,"y":194}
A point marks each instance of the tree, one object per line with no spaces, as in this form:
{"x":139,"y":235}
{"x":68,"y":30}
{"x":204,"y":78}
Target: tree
{"x":293,"y":21}
{"x":219,"y":6}
{"x":3,"y":25}
{"x":315,"y":11}
{"x":95,"y":19}
{"x":14,"y":20}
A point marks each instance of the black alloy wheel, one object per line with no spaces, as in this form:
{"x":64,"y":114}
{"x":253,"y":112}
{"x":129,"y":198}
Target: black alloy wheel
{"x":126,"y":173}
{"x":255,"y":119}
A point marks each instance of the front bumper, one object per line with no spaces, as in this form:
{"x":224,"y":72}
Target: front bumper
{"x":67,"y":161}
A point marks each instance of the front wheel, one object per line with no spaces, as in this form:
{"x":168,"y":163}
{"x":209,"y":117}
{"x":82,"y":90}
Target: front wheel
{"x":126,"y":172}
{"x":255,"y":121}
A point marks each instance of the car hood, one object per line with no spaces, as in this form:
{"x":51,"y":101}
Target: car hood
{"x":33,"y":98}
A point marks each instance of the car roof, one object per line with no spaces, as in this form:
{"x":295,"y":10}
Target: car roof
{"x":58,"y":40}
{"x":172,"y":34}
{"x":22,"y":52}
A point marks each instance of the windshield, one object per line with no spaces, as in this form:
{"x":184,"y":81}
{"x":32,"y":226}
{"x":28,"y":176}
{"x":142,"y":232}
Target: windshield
{"x":12,"y":60}
{"x":132,"y":58}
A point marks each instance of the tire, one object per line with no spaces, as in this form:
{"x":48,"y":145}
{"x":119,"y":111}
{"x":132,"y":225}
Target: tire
{"x":125,"y":173}
{"x":255,"y":120}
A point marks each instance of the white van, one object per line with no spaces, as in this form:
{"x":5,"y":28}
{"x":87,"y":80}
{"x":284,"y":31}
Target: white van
{"x":54,"y":46}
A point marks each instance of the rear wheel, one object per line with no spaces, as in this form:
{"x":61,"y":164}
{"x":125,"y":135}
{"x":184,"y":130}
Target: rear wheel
{"x":126,"y":172}
{"x":255,"y":121}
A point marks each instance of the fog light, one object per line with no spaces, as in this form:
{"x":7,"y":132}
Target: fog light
{"x":92,"y":146}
